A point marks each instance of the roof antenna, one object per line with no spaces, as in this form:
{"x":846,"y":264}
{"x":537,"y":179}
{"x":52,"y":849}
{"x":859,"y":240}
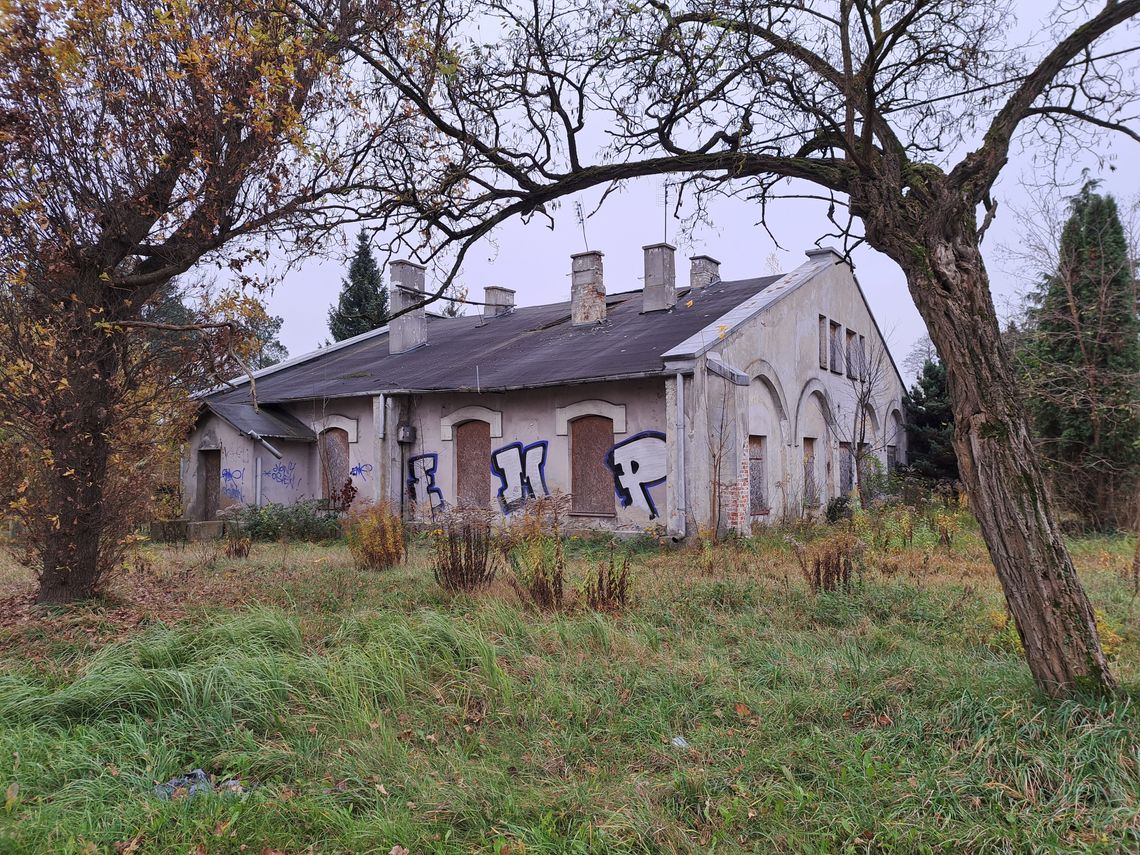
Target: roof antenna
{"x":664,"y":210}
{"x":582,"y":223}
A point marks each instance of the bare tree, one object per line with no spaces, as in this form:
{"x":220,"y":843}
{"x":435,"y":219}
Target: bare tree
{"x":921,"y":352}
{"x":858,"y":103}
{"x":862,"y":440}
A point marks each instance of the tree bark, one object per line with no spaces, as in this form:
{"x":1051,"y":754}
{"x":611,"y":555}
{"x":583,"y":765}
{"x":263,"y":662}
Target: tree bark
{"x":73,"y":531}
{"x":998,"y":462}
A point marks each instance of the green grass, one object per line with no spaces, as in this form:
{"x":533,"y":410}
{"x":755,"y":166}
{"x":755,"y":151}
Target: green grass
{"x":373,"y":711}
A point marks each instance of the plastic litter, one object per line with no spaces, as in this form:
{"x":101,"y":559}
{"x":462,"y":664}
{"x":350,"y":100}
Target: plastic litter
{"x":679,"y":742}
{"x":196,"y":783}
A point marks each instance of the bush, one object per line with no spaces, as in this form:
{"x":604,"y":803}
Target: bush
{"x":375,"y":537}
{"x":533,"y":546}
{"x":464,"y":559}
{"x":305,"y":520}
{"x":607,"y":587}
{"x":838,"y":509}
{"x":238,"y":547}
{"x":828,"y":567}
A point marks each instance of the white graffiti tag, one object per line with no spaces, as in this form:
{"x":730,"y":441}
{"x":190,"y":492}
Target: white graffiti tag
{"x":421,"y":480}
{"x":521,"y":470}
{"x":638,"y":463}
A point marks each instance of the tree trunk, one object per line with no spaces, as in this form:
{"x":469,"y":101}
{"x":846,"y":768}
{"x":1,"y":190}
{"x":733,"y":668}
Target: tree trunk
{"x":73,"y":530}
{"x":999,"y":467}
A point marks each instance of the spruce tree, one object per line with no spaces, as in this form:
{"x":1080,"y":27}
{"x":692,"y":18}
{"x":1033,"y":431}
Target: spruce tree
{"x":363,"y":303}
{"x":1082,"y":365}
{"x":930,"y":424}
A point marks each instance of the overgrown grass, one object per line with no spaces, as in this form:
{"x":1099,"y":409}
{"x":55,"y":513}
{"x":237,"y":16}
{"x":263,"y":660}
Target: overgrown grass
{"x":374,"y":711}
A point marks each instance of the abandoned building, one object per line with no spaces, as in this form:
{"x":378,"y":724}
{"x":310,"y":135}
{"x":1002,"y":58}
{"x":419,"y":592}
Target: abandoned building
{"x":727,"y":401}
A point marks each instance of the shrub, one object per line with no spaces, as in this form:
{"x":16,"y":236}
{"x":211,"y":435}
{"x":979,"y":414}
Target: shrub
{"x":533,"y":546}
{"x":464,"y":559}
{"x":838,"y":509}
{"x":305,"y":520}
{"x":375,"y":537}
{"x":238,"y":546}
{"x":828,"y":567}
{"x":607,"y":587}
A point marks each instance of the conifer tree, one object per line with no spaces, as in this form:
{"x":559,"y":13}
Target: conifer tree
{"x":363,"y":303}
{"x":930,"y":422}
{"x":1081,"y":365}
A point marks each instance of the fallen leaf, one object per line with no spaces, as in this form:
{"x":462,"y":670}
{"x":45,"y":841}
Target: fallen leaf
{"x":374,"y":724}
{"x":380,"y":788}
{"x":12,"y":797}
{"x":398,"y":850}
{"x":129,"y":847}
{"x":743,"y":710}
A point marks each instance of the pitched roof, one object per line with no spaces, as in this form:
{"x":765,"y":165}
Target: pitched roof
{"x":530,"y":346}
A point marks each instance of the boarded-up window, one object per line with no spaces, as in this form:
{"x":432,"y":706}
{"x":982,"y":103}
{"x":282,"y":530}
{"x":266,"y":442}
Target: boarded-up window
{"x":836,"y":348}
{"x":591,"y":482}
{"x":333,"y":450}
{"x":757,"y":476}
{"x":853,"y":355}
{"x":892,"y":458}
{"x":473,"y":464}
{"x":846,"y":469}
{"x":209,"y":482}
{"x":811,"y":482}
{"x":822,"y":342}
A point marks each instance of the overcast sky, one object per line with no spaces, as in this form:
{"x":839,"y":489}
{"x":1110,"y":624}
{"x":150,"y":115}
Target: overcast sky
{"x":535,"y":260}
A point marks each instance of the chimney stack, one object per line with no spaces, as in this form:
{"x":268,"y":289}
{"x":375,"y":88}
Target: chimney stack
{"x":499,"y":301}
{"x":587,"y":289}
{"x":704,"y":270}
{"x":660,"y":291}
{"x":409,"y":330}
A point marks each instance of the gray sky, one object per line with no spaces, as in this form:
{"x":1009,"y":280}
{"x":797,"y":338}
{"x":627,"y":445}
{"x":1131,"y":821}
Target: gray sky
{"x":535,"y":260}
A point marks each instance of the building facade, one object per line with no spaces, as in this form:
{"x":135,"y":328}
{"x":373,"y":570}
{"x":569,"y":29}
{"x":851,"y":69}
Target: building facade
{"x":719,"y":403}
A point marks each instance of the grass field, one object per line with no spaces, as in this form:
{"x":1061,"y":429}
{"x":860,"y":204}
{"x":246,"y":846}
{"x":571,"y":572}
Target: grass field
{"x":370,"y":712}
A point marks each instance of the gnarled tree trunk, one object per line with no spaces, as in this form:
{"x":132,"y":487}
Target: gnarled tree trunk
{"x":998,"y":463}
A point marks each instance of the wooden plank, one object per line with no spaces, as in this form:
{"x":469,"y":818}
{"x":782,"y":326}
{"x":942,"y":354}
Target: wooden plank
{"x":592,"y":483}
{"x":473,"y":464}
{"x":333,"y":446}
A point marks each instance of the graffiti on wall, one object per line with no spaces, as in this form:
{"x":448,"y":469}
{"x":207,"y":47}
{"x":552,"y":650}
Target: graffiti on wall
{"x":284,"y":474}
{"x":521,"y":470}
{"x":232,"y":482}
{"x":637,"y":464}
{"x":421,"y":480}
{"x":361,"y":471}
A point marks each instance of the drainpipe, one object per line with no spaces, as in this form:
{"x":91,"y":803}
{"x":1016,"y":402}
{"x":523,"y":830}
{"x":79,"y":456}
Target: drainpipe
{"x":257,"y":481}
{"x":682,"y":495}
{"x":259,"y":438}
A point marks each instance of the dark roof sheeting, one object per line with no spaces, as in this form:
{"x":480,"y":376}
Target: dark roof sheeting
{"x":265,"y":422}
{"x":530,"y":346}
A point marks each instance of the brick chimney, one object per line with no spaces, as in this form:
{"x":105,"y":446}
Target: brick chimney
{"x":499,"y":301}
{"x":660,"y":291}
{"x":409,"y":330}
{"x":587,"y":289}
{"x":704,"y":270}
